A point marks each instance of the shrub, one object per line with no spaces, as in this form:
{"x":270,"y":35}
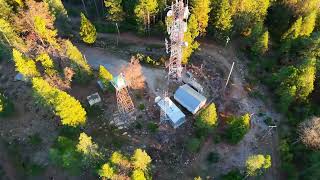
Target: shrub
{"x":237,"y":128}
{"x":106,"y":171}
{"x":35,"y":139}
{"x":213,"y":157}
{"x":233,"y":175}
{"x":207,"y":119}
{"x":256,"y":163}
{"x":140,"y":160}
{"x":153,"y":127}
{"x":141,"y":106}
{"x":6,"y":106}
{"x":193,"y":145}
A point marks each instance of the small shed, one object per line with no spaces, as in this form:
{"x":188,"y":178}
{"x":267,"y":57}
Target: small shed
{"x":94,"y":99}
{"x":190,"y":98}
{"x":174,"y":114}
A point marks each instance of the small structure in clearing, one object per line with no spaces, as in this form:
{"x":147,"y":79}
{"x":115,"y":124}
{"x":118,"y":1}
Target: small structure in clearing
{"x":94,"y":99}
{"x":173,"y":113}
{"x":190,"y":98}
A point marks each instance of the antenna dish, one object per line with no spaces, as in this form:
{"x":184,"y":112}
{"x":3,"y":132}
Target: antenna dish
{"x":169,"y":13}
{"x":186,"y":12}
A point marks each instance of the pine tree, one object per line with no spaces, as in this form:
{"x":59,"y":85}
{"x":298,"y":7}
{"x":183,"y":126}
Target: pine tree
{"x":189,"y":37}
{"x":140,"y":160}
{"x":262,"y":43}
{"x":10,"y":36}
{"x":87,"y":146}
{"x":65,"y":106}
{"x":78,"y":63}
{"x":207,"y":119}
{"x":105,"y":76}
{"x":5,"y":10}
{"x":45,"y":60}
{"x":106,"y":171}
{"x":115,"y":10}
{"x":308,"y":24}
{"x":88,"y":32}
{"x":143,"y":10}
{"x":138,"y":175}
{"x":223,"y":20}
{"x":255,"y":163}
{"x":49,"y":35}
{"x":57,"y":8}
{"x":24,"y":65}
{"x":294,"y":31}
{"x":306,"y":78}
{"x":201,"y":10}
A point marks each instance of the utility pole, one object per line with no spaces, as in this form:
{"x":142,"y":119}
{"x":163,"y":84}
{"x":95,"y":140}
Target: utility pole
{"x":229,"y":75}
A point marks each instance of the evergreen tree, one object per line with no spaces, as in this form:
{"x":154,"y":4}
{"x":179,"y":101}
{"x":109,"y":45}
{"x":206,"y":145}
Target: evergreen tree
{"x":143,"y":10}
{"x":6,"y":106}
{"x":49,"y":35}
{"x":115,"y":10}
{"x":86,"y":146}
{"x":189,"y":37}
{"x":88,"y":32}
{"x":10,"y":36}
{"x":201,"y":10}
{"x":105,"y":76}
{"x":57,"y":8}
{"x":308,"y":24}
{"x":78,"y":63}
{"x":138,"y":175}
{"x":106,"y":171}
{"x":24,"y":65}
{"x":45,"y":60}
{"x":140,"y":159}
{"x":223,"y":20}
{"x":237,"y":128}
{"x":65,"y":106}
{"x":207,"y":119}
{"x":294,"y":31}
{"x":256,"y":163}
{"x":5,"y":10}
{"x":306,"y":78}
{"x":262,"y":43}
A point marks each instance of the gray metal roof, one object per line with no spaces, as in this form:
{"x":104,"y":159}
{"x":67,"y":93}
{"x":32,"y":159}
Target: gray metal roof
{"x":189,"y":98}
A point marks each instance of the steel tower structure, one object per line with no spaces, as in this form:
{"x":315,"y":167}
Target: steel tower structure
{"x":177,"y":18}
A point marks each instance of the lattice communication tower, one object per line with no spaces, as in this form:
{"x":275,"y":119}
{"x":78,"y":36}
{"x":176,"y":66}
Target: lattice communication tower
{"x":124,"y":101}
{"x":177,"y":18}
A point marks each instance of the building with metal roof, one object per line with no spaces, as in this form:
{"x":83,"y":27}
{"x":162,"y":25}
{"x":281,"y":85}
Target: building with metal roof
{"x":190,"y":98}
{"x":174,"y":114}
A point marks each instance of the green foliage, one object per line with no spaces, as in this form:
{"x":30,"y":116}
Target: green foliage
{"x":106,"y":171}
{"x":213,"y":157}
{"x":57,"y":8}
{"x":146,"y":59}
{"x":140,"y":160}
{"x":115,"y":10}
{"x":35,"y":139}
{"x":308,"y":24}
{"x":193,"y":145}
{"x":78,"y":63}
{"x":9,"y":34}
{"x":87,"y":147}
{"x":64,"y":154}
{"x":153,"y":127}
{"x":143,"y":10}
{"x":88,"y":32}
{"x":141,"y":107}
{"x":255,"y":164}
{"x":40,"y":27}
{"x":45,"y":60}
{"x":24,"y":65}
{"x":237,"y":128}
{"x":233,"y":175}
{"x":6,"y":106}
{"x":138,"y":175}
{"x":105,"y":76}
{"x":189,"y":38}
{"x":262,"y":44}
{"x":65,"y":106}
{"x":207,"y":118}
{"x":223,"y":18}
{"x":201,"y":10}
{"x":5,"y":10}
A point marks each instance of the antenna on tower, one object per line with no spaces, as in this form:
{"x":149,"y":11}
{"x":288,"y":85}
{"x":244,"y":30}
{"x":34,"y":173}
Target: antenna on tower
{"x":176,"y":29}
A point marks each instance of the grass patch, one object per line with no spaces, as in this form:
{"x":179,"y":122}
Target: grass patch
{"x":35,"y":139}
{"x":153,"y":127}
{"x":193,"y":145}
{"x":141,"y":107}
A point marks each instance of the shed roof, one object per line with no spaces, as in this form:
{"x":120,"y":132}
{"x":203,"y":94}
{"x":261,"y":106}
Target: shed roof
{"x":173,"y":112}
{"x":119,"y":82}
{"x":189,"y":98}
{"x":93,"y":99}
